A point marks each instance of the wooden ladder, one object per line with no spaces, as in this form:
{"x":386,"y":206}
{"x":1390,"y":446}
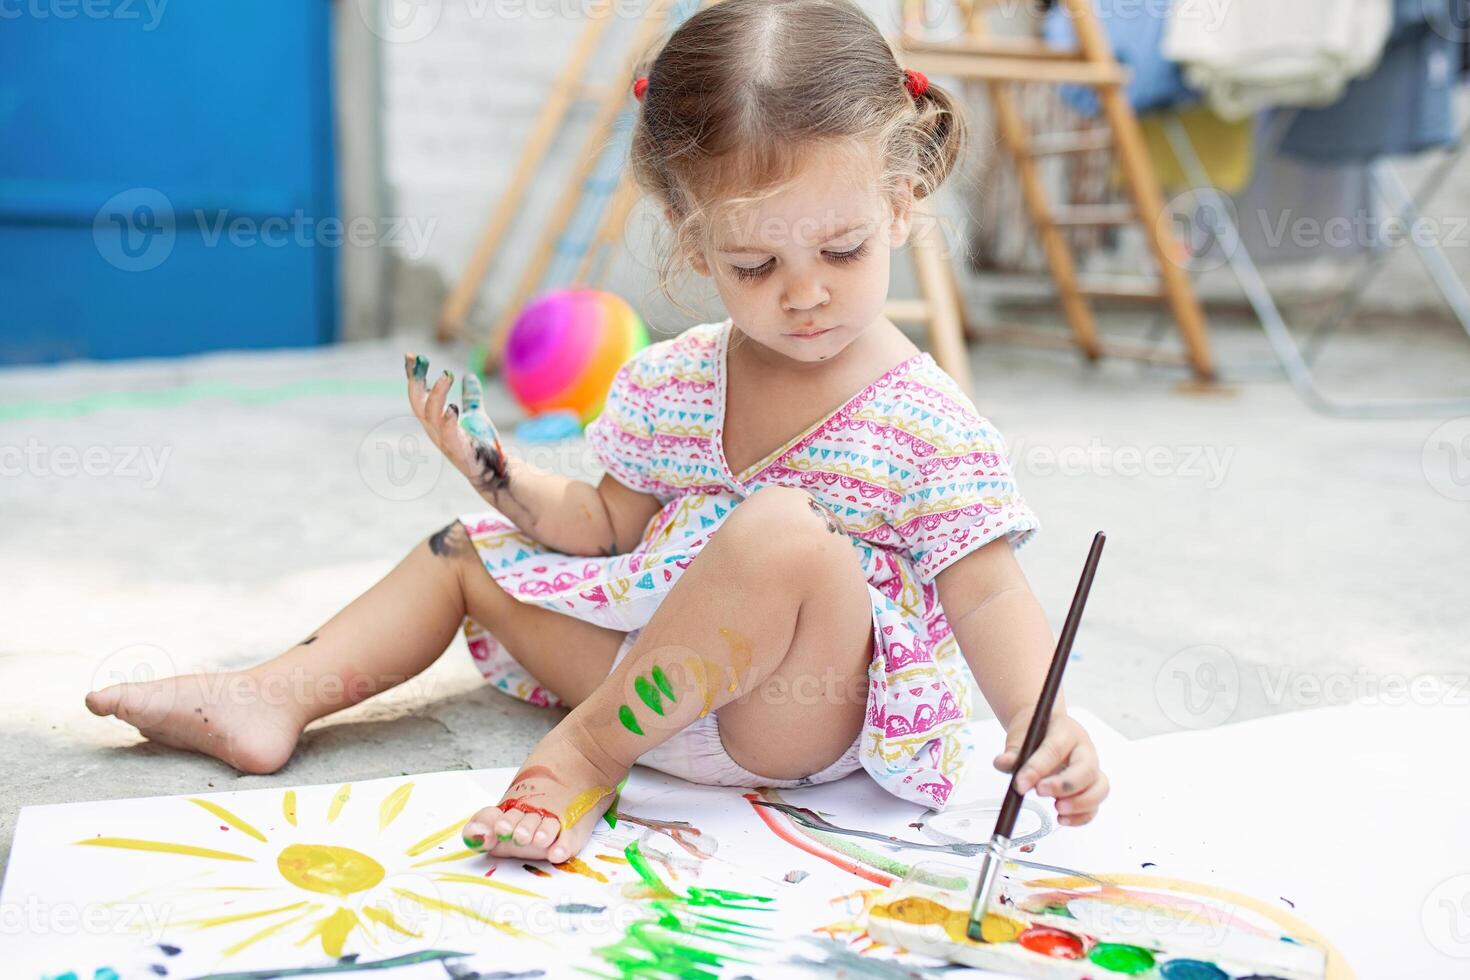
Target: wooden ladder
{"x":999,"y":63}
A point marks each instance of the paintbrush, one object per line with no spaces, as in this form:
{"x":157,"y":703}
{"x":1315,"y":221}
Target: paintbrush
{"x":1010,"y":809}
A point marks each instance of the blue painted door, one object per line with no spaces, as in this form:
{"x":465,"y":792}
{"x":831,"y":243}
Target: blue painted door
{"x":166,"y":177}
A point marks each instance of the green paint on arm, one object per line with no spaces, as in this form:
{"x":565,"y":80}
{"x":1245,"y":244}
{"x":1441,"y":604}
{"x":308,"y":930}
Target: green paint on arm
{"x":625,"y":715}
{"x":648,"y":695}
{"x":663,"y":683}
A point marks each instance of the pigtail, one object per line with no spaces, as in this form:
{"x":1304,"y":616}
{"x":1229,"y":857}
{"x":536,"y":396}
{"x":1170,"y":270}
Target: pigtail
{"x":941,"y":134}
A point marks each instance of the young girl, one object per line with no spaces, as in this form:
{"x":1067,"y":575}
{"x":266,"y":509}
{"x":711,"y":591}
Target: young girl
{"x":802,"y":547}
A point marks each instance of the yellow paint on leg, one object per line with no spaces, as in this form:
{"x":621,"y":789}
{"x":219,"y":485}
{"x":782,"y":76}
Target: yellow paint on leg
{"x":582,"y":803}
{"x":739,"y":655}
{"x":700,"y":673}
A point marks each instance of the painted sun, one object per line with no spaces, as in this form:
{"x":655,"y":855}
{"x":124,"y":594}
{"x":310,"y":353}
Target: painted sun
{"x":301,"y":881}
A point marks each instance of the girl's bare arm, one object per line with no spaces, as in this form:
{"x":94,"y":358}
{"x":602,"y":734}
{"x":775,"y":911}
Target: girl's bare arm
{"x":1002,"y":631}
{"x":567,"y":515}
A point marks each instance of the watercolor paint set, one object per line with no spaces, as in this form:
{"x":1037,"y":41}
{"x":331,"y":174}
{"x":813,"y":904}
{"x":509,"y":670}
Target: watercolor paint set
{"x":1070,"y":927}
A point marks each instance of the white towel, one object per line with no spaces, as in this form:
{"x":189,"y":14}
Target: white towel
{"x":1248,"y":55}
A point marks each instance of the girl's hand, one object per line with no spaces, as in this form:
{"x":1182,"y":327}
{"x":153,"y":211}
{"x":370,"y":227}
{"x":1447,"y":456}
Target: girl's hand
{"x":1063,"y":766}
{"x":467,"y":438}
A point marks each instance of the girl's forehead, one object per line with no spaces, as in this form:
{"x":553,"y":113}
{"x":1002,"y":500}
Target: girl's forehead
{"x":800,"y":219}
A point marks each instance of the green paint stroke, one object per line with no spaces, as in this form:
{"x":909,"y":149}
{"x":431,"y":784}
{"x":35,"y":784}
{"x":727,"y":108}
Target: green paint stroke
{"x":662,"y":681}
{"x":1122,"y":958}
{"x":625,"y":715}
{"x":648,"y":694}
{"x":680,"y":941}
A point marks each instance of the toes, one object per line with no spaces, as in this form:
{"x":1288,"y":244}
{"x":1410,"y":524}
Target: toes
{"x":525,"y":828}
{"x":546,"y":833}
{"x":103,"y":702}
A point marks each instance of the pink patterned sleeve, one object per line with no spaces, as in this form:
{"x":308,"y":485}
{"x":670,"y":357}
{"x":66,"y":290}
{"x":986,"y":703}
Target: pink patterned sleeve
{"x":961,"y":497}
{"x":622,"y":436}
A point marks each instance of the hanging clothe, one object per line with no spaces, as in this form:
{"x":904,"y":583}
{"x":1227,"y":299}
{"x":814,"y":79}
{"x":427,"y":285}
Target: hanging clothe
{"x":1299,"y":212}
{"x":1135,"y":33}
{"x":1225,"y":149}
{"x":1405,"y":106}
{"x":1249,"y":55}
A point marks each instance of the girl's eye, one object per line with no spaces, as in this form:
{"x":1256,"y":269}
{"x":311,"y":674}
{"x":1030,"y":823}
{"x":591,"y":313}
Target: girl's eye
{"x":743,"y":273}
{"x":851,"y":255}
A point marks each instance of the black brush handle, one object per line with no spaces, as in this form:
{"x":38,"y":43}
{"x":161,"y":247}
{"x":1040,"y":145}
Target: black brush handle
{"x":1010,"y":810}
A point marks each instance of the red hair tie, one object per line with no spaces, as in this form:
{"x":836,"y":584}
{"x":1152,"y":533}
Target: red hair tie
{"x":915,"y":82}
{"x":639,"y":87}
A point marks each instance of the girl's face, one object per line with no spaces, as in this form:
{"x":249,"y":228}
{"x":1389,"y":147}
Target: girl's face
{"x":806,"y":272}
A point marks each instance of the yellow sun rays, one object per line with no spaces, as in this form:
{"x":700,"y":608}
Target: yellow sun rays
{"x":354,"y":883}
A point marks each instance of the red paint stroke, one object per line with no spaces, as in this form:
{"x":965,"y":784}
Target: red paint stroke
{"x":876,"y":877}
{"x":519,"y":803}
{"x":536,"y":772}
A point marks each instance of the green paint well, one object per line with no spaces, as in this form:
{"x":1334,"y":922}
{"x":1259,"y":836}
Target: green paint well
{"x":1122,"y":958}
{"x":662,"y":681}
{"x":625,"y":715}
{"x":648,"y":694}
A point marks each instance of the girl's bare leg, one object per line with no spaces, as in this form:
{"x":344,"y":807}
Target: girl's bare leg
{"x":771,"y":627}
{"x":252,"y":719}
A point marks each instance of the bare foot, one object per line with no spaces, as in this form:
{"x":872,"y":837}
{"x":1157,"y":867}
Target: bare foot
{"x":223,"y":715}
{"x":553,"y":806}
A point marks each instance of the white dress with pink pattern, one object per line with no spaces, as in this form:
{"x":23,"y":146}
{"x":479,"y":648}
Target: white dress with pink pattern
{"x":914,"y":474}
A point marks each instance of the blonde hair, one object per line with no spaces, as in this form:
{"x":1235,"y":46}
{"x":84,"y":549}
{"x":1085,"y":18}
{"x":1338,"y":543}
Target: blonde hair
{"x":744,"y":90}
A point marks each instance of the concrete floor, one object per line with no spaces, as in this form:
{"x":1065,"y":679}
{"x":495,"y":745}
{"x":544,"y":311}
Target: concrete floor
{"x":1270,"y":560}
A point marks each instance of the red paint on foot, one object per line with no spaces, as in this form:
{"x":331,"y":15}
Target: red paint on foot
{"x":519,"y":803}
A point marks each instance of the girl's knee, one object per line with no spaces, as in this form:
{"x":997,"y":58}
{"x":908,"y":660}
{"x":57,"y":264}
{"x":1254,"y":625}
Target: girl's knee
{"x":451,"y":543}
{"x":785,"y":526}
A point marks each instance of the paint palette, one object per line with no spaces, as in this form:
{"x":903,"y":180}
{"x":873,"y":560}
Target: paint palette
{"x":1070,"y":927}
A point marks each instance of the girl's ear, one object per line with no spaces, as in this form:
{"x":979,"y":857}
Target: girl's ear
{"x":696,"y":259}
{"x":902,"y":204}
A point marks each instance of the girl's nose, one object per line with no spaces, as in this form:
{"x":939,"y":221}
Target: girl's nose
{"x":804,"y":293}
